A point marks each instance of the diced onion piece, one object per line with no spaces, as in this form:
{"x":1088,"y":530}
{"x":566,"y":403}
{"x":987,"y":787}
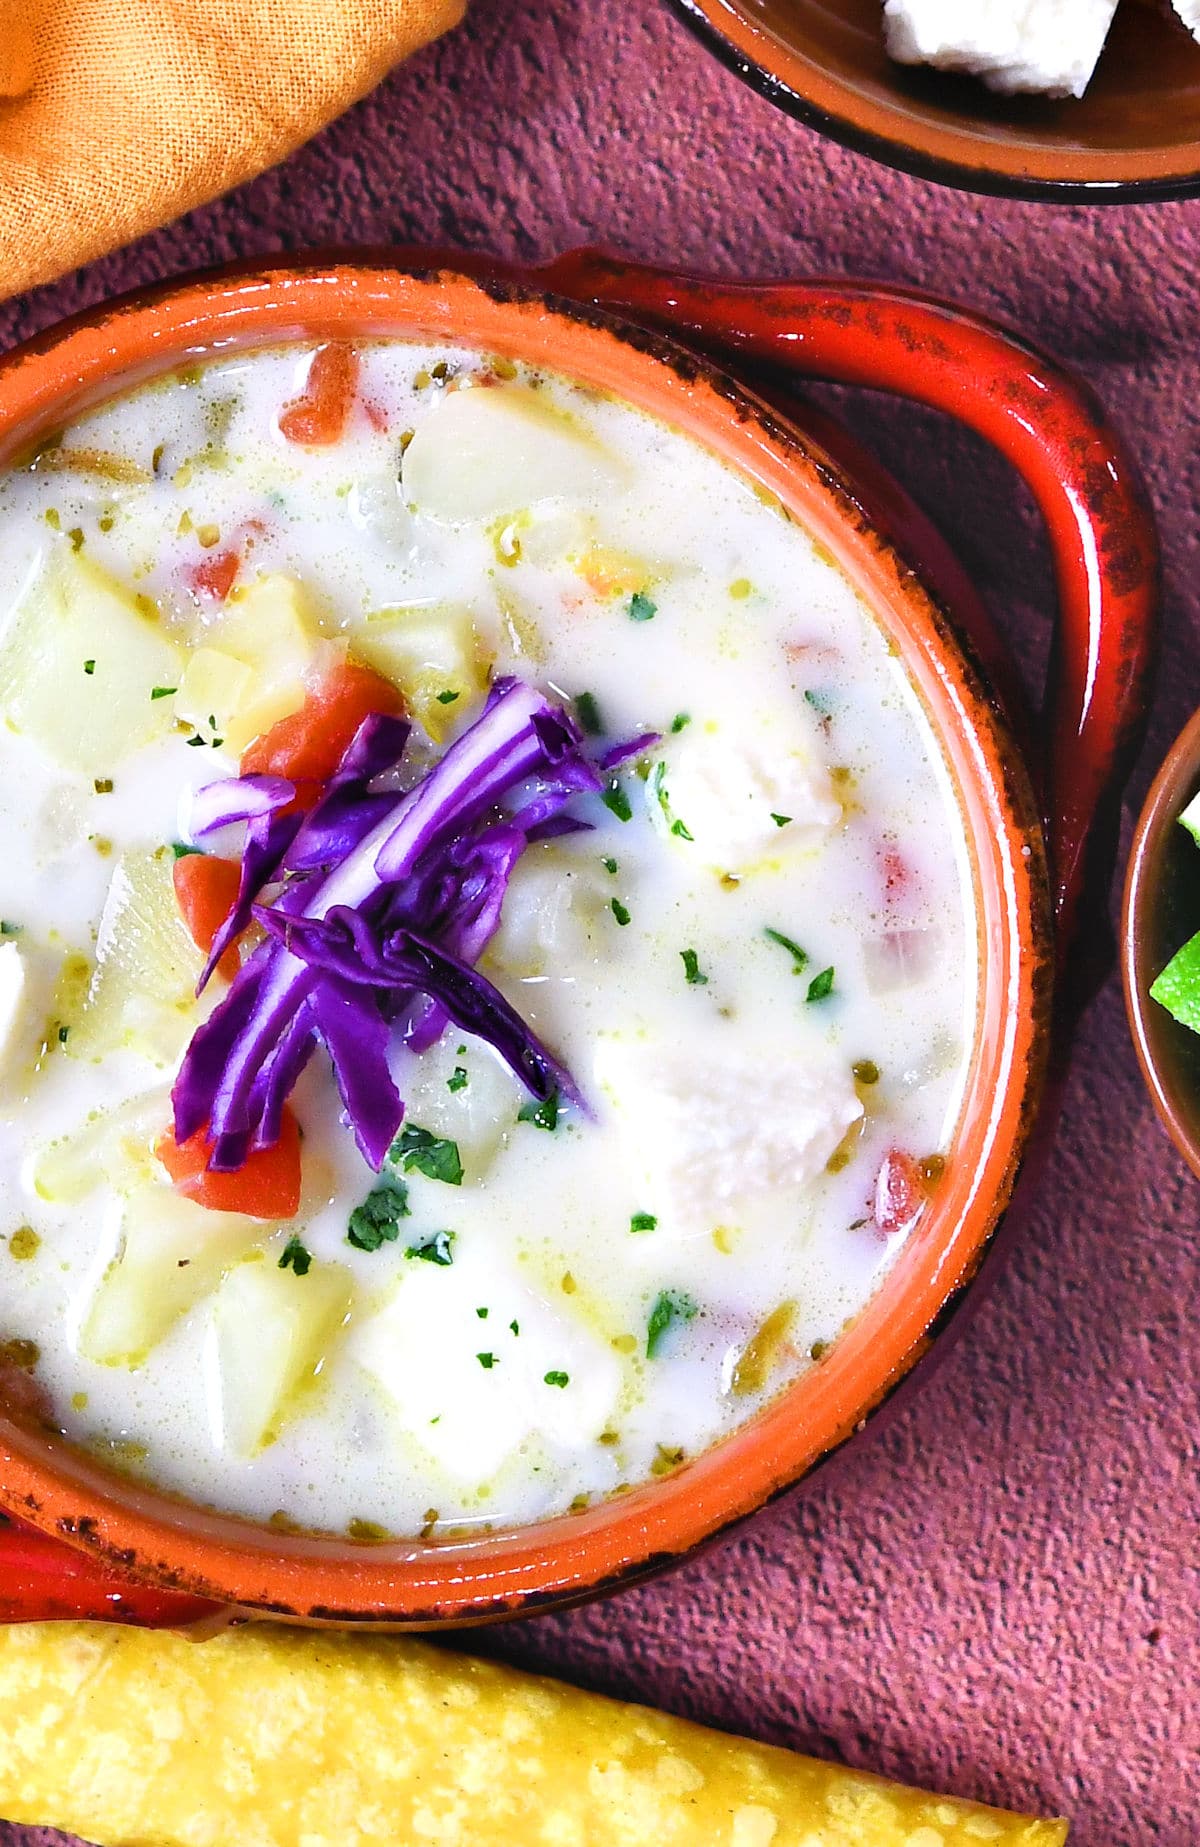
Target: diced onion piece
{"x":171,"y":1253}
{"x":271,"y":627}
{"x":114,"y":1145}
{"x":142,"y":994}
{"x":272,"y":1332}
{"x":482,"y":453}
{"x":900,"y":958}
{"x":79,"y":663}
{"x":433,"y":655}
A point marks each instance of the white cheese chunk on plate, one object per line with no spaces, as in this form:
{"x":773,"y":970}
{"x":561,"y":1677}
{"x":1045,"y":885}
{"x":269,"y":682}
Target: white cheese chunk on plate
{"x":1049,"y":47}
{"x":470,"y":1412}
{"x":739,"y":797}
{"x":710,"y":1132}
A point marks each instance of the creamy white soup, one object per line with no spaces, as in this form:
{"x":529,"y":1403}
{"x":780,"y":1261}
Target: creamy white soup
{"x":593,"y":1029}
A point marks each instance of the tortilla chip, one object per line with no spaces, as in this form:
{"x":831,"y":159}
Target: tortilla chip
{"x":272,"y":1737}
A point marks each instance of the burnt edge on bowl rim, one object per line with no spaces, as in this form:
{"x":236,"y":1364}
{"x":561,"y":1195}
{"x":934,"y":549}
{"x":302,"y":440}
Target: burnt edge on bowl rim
{"x":959,"y":176}
{"x":690,"y":367}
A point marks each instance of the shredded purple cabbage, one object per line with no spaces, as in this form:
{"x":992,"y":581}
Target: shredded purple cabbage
{"x":383,"y":902}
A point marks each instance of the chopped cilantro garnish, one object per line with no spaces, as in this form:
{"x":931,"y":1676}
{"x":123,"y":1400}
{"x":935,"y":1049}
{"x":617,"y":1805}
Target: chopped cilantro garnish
{"x":431,"y":1155}
{"x":196,"y":743}
{"x":799,"y":956}
{"x":9,"y":928}
{"x":515,"y":1327}
{"x":643,"y":1221}
{"x":482,"y":1313}
{"x":437,"y":1249}
{"x":641,"y":608}
{"x":217,"y":743}
{"x":691,"y":968}
{"x":619,"y":911}
{"x":615,"y":798}
{"x":780,"y":820}
{"x":64,"y":1033}
{"x":821,"y":986}
{"x":447,"y":698}
{"x":588,"y":714}
{"x":610,"y":865}
{"x":296,"y":1257}
{"x":680,"y":720}
{"x":459,"y":1079}
{"x":544,"y":1113}
{"x":671,"y":1306}
{"x":377,"y":1220}
{"x":558,"y":1378}
{"x":181,"y":851}
{"x":487,"y":1360}
{"x":162,"y":692}
{"x":89,"y":666}
{"x":681,"y":832}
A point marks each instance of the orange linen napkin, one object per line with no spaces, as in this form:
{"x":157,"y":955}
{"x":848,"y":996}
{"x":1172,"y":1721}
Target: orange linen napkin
{"x":117,"y":115}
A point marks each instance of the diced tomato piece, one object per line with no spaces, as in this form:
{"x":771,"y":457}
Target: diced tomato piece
{"x":320,"y":414}
{"x":266,"y":1186}
{"x":895,"y":871}
{"x":901,"y":1192}
{"x":205,"y":889}
{"x":215,"y":576}
{"x":308,"y":745}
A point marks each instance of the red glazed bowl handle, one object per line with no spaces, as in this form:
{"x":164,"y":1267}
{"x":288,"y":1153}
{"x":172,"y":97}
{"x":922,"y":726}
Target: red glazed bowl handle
{"x":42,"y":1580}
{"x":1046,"y":422}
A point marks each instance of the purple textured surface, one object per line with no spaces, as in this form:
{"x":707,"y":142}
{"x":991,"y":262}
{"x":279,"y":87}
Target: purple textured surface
{"x":995,"y":1593}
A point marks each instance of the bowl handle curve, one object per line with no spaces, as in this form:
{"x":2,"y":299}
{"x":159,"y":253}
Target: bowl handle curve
{"x":1041,"y":418}
{"x":43,"y":1580}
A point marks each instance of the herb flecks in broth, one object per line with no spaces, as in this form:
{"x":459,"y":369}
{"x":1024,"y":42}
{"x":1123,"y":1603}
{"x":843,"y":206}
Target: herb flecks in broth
{"x":509,"y":1174}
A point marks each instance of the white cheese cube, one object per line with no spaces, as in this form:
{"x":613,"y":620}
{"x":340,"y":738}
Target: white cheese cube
{"x":12,"y":993}
{"x":467,"y":1387}
{"x":1045,"y":46}
{"x":738,"y":796}
{"x":709,"y":1133}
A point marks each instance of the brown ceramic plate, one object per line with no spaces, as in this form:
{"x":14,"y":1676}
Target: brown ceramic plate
{"x":1135,"y":135}
{"x":1161,"y":911}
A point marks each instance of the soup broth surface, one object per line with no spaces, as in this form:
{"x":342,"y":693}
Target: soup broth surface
{"x":757,"y":962}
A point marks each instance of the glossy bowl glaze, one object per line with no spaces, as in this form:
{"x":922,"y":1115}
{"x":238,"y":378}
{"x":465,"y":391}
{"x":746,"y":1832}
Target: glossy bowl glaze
{"x":1134,"y":135}
{"x":1105,"y":552}
{"x":1161,"y":910}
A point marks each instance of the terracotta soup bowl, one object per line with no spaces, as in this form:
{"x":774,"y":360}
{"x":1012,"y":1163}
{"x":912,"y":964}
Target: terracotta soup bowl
{"x":1105,"y":554}
{"x":1135,"y":134}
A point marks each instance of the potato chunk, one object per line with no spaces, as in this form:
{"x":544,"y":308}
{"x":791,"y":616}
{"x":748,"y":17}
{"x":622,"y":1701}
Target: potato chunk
{"x":482,"y":453}
{"x":142,"y":994}
{"x":271,"y":628}
{"x":432,"y":655}
{"x":272,"y":1333}
{"x":79,"y":664}
{"x":171,"y":1253}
